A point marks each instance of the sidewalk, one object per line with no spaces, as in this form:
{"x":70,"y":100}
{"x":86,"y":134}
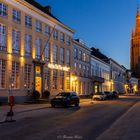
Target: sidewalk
{"x":126,"y":127}
{"x":27,"y":108}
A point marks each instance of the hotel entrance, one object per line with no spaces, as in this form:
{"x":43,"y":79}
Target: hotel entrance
{"x":38,"y":84}
{"x":38,"y":78}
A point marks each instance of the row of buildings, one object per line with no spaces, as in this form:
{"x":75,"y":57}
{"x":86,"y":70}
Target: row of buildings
{"x":38,"y":52}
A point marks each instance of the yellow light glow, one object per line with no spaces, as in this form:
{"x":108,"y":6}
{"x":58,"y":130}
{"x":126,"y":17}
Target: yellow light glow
{"x":22,"y":61}
{"x":73,"y":78}
{"x":58,"y":67}
{"x":135,"y":88}
{"x":34,"y":53}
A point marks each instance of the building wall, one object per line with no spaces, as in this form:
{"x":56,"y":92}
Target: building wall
{"x":81,"y":68}
{"x":102,"y":70}
{"x":117,"y":77}
{"x":9,"y":56}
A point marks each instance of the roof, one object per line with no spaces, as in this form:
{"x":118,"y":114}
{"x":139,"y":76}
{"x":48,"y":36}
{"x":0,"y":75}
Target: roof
{"x":96,"y":52}
{"x":40,"y":7}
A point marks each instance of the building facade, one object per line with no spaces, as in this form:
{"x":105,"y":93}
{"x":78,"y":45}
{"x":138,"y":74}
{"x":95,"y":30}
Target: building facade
{"x":135,"y":48}
{"x":35,"y":50}
{"x":100,"y":74}
{"x":81,"y":68}
{"x":117,"y":76}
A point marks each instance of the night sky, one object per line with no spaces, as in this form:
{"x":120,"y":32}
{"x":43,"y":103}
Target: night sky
{"x":104,"y":24}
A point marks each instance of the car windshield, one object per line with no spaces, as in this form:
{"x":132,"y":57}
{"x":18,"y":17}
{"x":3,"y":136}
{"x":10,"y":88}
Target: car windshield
{"x":98,"y":93}
{"x":65,"y":94}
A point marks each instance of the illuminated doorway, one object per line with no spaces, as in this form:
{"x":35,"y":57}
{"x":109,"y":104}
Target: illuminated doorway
{"x":38,"y":85}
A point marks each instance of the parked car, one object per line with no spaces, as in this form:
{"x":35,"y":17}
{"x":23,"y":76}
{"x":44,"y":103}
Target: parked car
{"x":109,"y":95}
{"x":115,"y":94}
{"x":99,"y":96}
{"x":65,"y":99}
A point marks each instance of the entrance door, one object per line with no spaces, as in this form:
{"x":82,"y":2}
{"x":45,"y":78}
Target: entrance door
{"x":38,"y":85}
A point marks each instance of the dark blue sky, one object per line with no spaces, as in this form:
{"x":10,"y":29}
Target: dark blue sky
{"x":104,"y":24}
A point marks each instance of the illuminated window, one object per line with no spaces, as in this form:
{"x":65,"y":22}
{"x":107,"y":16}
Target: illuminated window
{"x":3,"y":46}
{"x":68,"y":80}
{"x":84,"y":57}
{"x":47,"y":52}
{"x":28,"y":45}
{"x":54,"y":79}
{"x":38,"y":48}
{"x":15,"y":74}
{"x":3,"y":10}
{"x":55,"y":34}
{"x":28,"y":21}
{"x":2,"y":73}
{"x":16,"y":42}
{"x":27,"y":78}
{"x":68,"y":57}
{"x":62,"y":80}
{"x":38,"y":26}
{"x":55,"y":54}
{"x":16,"y":16}
{"x":61,"y":56}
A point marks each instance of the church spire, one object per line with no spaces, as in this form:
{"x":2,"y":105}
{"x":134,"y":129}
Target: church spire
{"x":138,"y":13}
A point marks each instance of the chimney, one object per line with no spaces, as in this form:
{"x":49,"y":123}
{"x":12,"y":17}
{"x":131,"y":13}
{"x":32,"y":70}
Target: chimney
{"x":48,"y":9}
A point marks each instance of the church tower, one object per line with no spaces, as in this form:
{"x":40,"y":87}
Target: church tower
{"x":135,"y":47}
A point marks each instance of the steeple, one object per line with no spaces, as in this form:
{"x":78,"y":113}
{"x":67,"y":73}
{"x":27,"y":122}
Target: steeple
{"x":138,"y":13}
{"x":137,"y":29}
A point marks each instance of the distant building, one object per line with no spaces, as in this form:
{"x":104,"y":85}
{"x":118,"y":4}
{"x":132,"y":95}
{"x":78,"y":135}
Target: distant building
{"x":100,"y":75}
{"x":117,"y":76}
{"x":81,"y":82}
{"x":135,"y":48}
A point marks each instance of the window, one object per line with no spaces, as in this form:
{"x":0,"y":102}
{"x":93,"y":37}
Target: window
{"x":47,"y":52}
{"x":2,"y":73}
{"x":84,"y":57}
{"x":15,"y":74}
{"x":16,"y":41}
{"x":75,"y":65}
{"x":3,"y":46}
{"x":80,"y":55}
{"x":80,"y":66}
{"x":54,"y":54}
{"x":62,"y":37}
{"x":62,"y":80}
{"x":61,"y":56}
{"x":68,"y":40}
{"x":68,"y":57}
{"x":27,"y":78}
{"x":68,"y":80}
{"x":47,"y":30}
{"x":38,"y":48}
{"x":87,"y":58}
{"x":16,"y":16}
{"x":75,"y":53}
{"x":28,"y":45}
{"x":54,"y":79}
{"x":55,"y":34}
{"x":3,"y":10}
{"x":47,"y":79}
{"x":38,"y":26}
{"x":28,"y":21}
